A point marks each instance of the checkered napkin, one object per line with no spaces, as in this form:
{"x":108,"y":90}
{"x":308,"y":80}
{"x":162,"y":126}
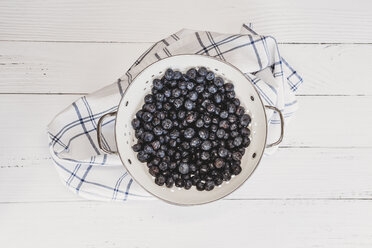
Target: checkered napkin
{"x":89,"y":172}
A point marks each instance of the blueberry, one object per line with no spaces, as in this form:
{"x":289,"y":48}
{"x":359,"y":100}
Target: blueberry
{"x":169,"y":74}
{"x":195,"y":142}
{"x":158,"y":130}
{"x":147,"y":117}
{"x":177,"y":75}
{"x":191,"y":117}
{"x":224,"y":114}
{"x":229,"y":87}
{"x":168,"y":93}
{"x":172,"y":165}
{"x":189,"y":133}
{"x":232,"y":118}
{"x":210,"y":76}
{"x":231,"y":108}
{"x":207,"y":119}
{"x":193,"y":96}
{"x":217,"y":98}
{"x":158,"y":85}
{"x":154,"y":170}
{"x":136,"y":147}
{"x":203,"y":134}
{"x":191,"y":73}
{"x":222,"y":152}
{"x":149,"y":98}
{"x":177,"y":103}
{"x":236,"y":101}
{"x":206,"y":145}
{"x":245,"y":132}
{"x":155,"y":145}
{"x":213,"y":128}
{"x":219,"y":163}
{"x":136,"y":123}
{"x":183,"y":168}
{"x":240,"y":111}
{"x":174,"y":134}
{"x":218,"y":81}
{"x":199,"y":88}
{"x":218,"y":181}
{"x":148,"y":137}
{"x":182,"y":85}
{"x":160,"y":153}
{"x":209,"y":185}
{"x":160,"y":180}
{"x":167,"y":124}
{"x":169,"y":183}
{"x":220,"y":133}
{"x":230,"y":94}
{"x":139,"y":114}
{"x":202,"y":71}
{"x":189,"y":105}
{"x":163,"y":166}
{"x":142,"y":156}
{"x":245,"y":120}
{"x":246,"y":141}
{"x":224,"y":124}
{"x":176,"y":93}
{"x":181,"y":114}
{"x":204,"y":156}
{"x":188,"y":184}
{"x":200,"y":80}
{"x":199,"y":123}
{"x":212,"y":89}
{"x":190,"y":85}
{"x":234,"y":134}
{"x":180,"y":183}
{"x":226,"y":175}
{"x":237,"y":156}
{"x":238,"y":141}
{"x":155,"y":121}
{"x":200,"y":185}
{"x":233,"y":126}
{"x":236,"y":169}
{"x":211,"y":108}
{"x":167,"y":106}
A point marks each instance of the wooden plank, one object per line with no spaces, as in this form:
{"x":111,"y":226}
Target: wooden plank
{"x":331,"y":122}
{"x":292,"y":224}
{"x":40,"y":67}
{"x":295,"y":173}
{"x":94,"y":20}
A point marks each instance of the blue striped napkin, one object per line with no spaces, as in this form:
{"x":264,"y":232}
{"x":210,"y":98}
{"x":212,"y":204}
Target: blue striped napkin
{"x":89,"y":172}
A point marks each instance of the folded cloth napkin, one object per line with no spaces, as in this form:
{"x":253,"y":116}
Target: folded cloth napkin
{"x":87,"y":171}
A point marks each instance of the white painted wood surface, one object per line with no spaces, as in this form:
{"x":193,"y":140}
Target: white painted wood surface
{"x":316,"y":191}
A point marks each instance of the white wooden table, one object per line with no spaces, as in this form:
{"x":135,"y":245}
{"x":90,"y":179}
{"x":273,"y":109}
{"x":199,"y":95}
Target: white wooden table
{"x":316,"y":191}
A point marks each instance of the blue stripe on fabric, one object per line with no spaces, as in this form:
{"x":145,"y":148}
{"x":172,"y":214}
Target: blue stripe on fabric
{"x":77,"y":122}
{"x":85,"y":101}
{"x":221,"y":42}
{"x":255,"y":51}
{"x":249,"y":29}
{"x":93,"y":183}
{"x":127,"y":190}
{"x":73,"y":174}
{"x":242,"y":45}
{"x":80,"y":134}
{"x":117,"y":185}
{"x":85,"y":129}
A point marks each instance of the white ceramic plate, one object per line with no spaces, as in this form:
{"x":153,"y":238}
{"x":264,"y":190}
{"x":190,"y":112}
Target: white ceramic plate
{"x":132,"y":101}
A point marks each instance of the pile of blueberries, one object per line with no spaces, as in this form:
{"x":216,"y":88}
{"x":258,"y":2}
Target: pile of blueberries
{"x":191,"y":130}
